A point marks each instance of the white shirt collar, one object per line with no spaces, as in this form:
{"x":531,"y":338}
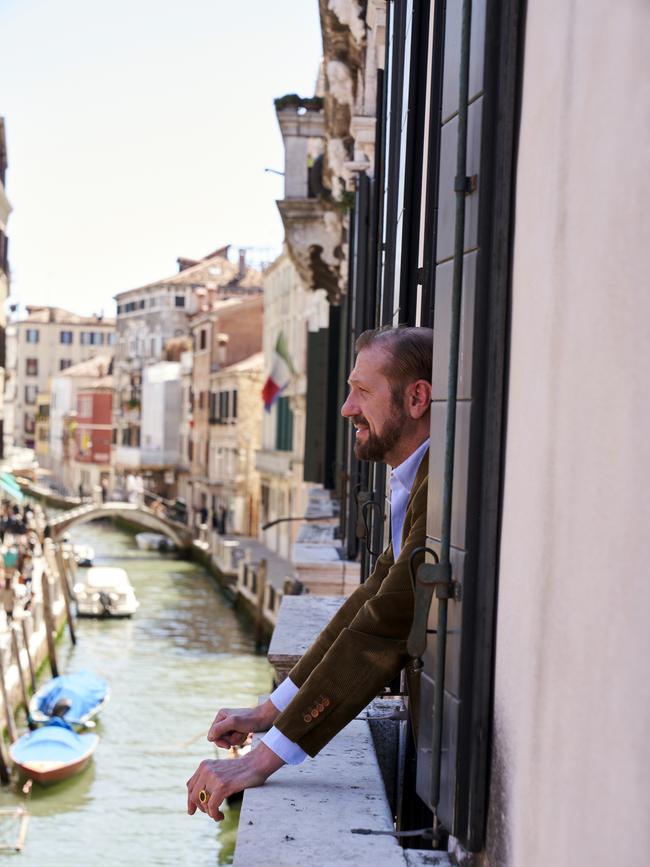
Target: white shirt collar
{"x":404,"y":474}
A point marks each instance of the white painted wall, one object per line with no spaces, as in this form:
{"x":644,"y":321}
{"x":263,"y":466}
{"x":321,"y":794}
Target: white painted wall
{"x":62,"y":401}
{"x":160,"y":441}
{"x":572,"y":702}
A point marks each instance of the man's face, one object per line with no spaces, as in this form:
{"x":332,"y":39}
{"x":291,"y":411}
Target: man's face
{"x":378,"y":419}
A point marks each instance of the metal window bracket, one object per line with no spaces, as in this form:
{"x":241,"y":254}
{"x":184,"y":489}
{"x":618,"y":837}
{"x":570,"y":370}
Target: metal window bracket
{"x":367,"y":503}
{"x":430,"y":578}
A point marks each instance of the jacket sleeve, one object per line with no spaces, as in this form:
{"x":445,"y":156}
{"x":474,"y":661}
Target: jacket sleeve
{"x":342,"y":619}
{"x":365,"y":654}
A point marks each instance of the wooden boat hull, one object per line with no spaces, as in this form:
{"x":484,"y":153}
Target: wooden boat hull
{"x":52,"y":753}
{"x":47,"y":773}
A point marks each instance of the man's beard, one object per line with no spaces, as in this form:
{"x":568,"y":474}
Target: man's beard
{"x":378,"y":445}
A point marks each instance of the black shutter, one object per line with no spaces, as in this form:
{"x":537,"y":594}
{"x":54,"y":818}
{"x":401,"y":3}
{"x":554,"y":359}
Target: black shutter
{"x":477,"y":472}
{"x":316,"y":406}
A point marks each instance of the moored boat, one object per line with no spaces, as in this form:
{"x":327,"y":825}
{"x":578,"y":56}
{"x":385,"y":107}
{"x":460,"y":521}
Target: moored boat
{"x":153,"y":542}
{"x":105,"y":592}
{"x":53,"y":752}
{"x":75,"y":697}
{"x":83,"y":554}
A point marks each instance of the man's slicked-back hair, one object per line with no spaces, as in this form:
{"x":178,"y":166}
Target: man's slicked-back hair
{"x":410,"y":350}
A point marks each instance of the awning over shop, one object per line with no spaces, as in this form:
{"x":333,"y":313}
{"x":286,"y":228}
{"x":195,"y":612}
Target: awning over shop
{"x":10,"y":486}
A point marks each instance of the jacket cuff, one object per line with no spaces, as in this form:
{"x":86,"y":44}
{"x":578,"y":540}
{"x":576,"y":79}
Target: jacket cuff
{"x":281,"y":696}
{"x":285,"y":749}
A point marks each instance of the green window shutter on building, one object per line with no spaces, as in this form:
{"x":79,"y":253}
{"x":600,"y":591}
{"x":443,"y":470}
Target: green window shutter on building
{"x":284,"y":426}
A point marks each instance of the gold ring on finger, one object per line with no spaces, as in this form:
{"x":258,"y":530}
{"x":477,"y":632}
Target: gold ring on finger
{"x":204,"y":796}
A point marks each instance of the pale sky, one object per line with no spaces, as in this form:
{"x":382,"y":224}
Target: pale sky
{"x":138,"y":131}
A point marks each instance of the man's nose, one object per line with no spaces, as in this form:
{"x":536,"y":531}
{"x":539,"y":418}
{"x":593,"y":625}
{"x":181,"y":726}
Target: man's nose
{"x":349,"y":408}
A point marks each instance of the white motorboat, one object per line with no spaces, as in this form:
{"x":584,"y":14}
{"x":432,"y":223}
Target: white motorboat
{"x":153,"y":542}
{"x":105,"y":592}
{"x":83,"y":554}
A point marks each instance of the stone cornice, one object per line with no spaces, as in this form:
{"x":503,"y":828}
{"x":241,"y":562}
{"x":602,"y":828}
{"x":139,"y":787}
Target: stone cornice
{"x":5,"y":208}
{"x":313,"y":234}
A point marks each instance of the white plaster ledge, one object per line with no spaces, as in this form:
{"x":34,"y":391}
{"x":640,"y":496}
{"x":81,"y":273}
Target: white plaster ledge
{"x":305,"y":814}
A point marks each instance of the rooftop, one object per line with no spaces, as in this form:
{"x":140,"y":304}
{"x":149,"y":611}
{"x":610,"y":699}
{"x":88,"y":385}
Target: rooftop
{"x":43,"y":315}
{"x":252,"y":363}
{"x":97,"y":367}
{"x":212,"y":273}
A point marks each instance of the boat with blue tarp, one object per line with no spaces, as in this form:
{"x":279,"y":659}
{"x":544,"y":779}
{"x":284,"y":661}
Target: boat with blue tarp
{"x":75,"y":697}
{"x":53,"y":752}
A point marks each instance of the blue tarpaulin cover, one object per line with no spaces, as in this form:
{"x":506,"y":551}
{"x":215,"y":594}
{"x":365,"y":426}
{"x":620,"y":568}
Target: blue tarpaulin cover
{"x":54,"y":742}
{"x":82,"y":688}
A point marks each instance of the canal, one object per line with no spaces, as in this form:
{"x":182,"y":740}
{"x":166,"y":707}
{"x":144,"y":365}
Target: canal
{"x":182,"y":656}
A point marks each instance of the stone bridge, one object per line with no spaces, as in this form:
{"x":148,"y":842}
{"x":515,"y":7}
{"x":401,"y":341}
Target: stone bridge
{"x":180,"y":534}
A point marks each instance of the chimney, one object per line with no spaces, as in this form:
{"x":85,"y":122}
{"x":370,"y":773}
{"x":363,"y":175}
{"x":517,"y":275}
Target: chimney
{"x":222,"y":348}
{"x":242,"y":262}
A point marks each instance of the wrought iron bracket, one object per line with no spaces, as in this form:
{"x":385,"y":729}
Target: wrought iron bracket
{"x":430,"y":578}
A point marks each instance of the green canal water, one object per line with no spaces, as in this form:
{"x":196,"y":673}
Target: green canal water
{"x":182,"y":656}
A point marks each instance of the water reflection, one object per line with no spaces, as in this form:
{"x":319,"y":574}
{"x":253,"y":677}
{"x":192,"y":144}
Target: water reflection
{"x":182,"y":656}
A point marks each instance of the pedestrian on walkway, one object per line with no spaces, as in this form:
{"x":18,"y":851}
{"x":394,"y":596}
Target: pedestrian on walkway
{"x":8,"y":598}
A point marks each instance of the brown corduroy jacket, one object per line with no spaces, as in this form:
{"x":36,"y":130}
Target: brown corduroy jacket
{"x":363,"y":647}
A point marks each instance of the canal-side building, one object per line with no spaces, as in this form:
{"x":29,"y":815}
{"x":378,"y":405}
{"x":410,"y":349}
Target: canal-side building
{"x":148,"y":319}
{"x":234,"y":437}
{"x":63,"y":420}
{"x":160,"y":443}
{"x":42,"y":429}
{"x":290,"y":312}
{"x":91,"y":462}
{"x":224,"y":332}
{"x":49,"y":340}
{"x":5,"y":210}
{"x":480,"y":192}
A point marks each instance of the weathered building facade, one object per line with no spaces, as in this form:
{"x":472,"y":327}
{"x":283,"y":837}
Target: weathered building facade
{"x":91,"y":463}
{"x":5,"y":210}
{"x":290,"y":310}
{"x":72,"y":459}
{"x":151,"y":320}
{"x":224,"y":333}
{"x":44,"y":343}
{"x":234,"y":437}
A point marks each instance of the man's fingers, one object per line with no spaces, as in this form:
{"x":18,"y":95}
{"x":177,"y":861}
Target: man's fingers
{"x":213,"y":805}
{"x":191,"y":806}
{"x":220,"y":726}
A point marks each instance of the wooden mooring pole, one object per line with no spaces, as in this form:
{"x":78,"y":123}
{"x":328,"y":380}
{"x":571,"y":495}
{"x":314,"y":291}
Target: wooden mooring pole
{"x":48,"y":616}
{"x":21,"y":676}
{"x":62,"y":569}
{"x":9,"y":717}
{"x":30,"y":661}
{"x":259,"y":613}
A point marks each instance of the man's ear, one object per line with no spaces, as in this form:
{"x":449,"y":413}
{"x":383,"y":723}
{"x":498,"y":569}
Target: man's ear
{"x":418,"y":398}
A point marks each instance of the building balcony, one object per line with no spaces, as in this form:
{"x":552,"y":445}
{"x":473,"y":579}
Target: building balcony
{"x":127,"y":457}
{"x":274,"y":463}
{"x":152,"y":457}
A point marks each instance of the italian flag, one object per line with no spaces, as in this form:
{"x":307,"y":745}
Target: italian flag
{"x":281,"y":372}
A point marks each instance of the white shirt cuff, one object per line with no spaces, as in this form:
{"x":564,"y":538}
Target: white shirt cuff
{"x":282,"y":696}
{"x":280,"y":744}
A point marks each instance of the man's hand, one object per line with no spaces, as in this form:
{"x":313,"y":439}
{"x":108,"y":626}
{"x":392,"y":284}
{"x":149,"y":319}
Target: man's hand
{"x":231,"y":727}
{"x":220,"y":778}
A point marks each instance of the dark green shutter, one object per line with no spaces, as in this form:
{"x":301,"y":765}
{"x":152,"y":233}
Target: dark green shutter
{"x":316,"y":405}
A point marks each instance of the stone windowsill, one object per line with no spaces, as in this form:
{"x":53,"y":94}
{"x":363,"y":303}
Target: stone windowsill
{"x":305,"y":814}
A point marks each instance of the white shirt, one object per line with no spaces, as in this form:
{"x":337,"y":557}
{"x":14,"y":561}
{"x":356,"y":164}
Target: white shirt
{"x":401,"y":482}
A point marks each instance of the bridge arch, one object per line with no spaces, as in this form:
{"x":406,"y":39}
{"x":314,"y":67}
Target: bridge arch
{"x":144,"y":517}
